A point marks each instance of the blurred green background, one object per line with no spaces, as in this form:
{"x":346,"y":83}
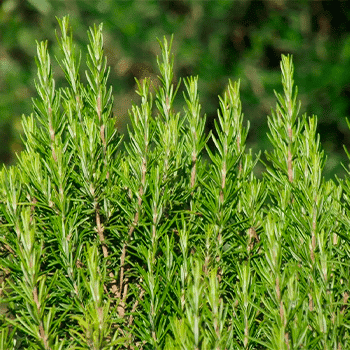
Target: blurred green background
{"x":216,"y":40}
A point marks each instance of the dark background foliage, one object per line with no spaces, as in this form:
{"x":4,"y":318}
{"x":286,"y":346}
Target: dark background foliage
{"x":216,"y":40}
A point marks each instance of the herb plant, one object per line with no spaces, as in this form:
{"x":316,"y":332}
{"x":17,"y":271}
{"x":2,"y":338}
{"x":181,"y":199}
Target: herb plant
{"x":148,"y":244}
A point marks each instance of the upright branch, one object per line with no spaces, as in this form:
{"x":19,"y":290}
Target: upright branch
{"x":70,"y":65}
{"x":100,"y":99}
{"x":32,"y":286}
{"x":288,"y":108}
{"x":195,"y":139}
{"x":166,"y":93}
{"x":139,"y":153}
{"x":47,"y":108}
{"x":229,"y":146}
{"x":284,"y":131}
{"x":170,"y":125}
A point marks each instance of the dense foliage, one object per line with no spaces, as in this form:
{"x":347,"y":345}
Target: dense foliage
{"x":216,"y":40}
{"x":160,"y":242}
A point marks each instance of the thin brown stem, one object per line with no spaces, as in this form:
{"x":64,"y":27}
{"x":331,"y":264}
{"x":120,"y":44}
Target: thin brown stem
{"x":100,"y":232}
{"x":131,"y":318}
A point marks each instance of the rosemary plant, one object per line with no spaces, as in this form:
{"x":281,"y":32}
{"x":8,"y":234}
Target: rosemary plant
{"x":145,"y":244}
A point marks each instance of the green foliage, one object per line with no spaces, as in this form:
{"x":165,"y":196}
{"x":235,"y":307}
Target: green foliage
{"x":154,"y":245}
{"x":212,"y":39}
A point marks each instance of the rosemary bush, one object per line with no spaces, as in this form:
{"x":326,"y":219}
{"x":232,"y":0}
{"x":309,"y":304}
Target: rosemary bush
{"x":146,"y":244}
